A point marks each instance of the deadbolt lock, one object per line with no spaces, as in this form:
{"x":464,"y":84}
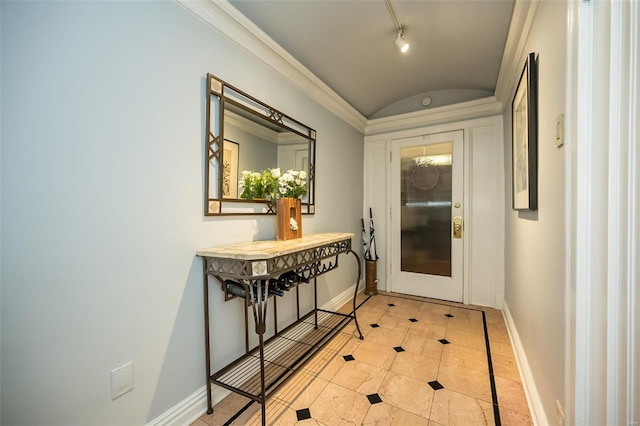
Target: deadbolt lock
{"x":457,"y":227}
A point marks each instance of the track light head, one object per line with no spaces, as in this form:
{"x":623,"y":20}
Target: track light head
{"x":401,"y":43}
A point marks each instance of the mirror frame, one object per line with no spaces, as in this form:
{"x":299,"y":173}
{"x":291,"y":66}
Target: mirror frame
{"x":220,"y":93}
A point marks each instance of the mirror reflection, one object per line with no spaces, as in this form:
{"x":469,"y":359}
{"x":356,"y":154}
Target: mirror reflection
{"x":247,"y":135}
{"x":264,"y":145}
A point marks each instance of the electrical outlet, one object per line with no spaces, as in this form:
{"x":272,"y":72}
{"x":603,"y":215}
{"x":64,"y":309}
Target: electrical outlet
{"x":121,"y":380}
{"x":559,"y":413}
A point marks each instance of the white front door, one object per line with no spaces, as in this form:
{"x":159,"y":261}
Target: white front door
{"x":426,"y":215}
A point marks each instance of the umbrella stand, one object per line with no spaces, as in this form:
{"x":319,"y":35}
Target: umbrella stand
{"x":371,"y":280}
{"x":370,"y":257}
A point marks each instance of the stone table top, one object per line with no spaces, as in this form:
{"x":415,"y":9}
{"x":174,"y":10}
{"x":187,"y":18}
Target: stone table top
{"x":273,"y":248}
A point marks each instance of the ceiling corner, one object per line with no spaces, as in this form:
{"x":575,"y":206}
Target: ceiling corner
{"x":227,"y":20}
{"x":478,"y":108}
{"x":511,"y":66}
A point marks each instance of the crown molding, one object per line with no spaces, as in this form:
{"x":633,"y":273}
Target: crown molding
{"x":229,"y":22}
{"x":478,"y":108}
{"x":524,"y":12}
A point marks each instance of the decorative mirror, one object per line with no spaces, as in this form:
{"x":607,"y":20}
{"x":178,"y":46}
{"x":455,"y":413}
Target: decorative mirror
{"x":245,"y":134}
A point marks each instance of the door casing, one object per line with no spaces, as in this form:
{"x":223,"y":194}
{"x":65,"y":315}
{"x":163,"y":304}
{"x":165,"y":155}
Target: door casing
{"x":484,"y":183}
{"x":438,"y":287}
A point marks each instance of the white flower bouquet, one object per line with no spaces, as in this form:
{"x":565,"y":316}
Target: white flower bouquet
{"x":272,"y":184}
{"x":292,"y":184}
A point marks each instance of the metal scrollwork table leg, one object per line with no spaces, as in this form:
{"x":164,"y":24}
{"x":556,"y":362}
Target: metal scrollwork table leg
{"x":355,"y":294}
{"x":258,"y":294}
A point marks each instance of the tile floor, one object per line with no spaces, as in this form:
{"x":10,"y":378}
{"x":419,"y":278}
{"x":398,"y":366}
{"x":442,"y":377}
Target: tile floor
{"x":422,"y":362}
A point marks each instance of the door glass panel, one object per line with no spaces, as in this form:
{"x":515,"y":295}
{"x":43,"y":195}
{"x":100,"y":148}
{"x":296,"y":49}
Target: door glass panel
{"x":425,"y":209}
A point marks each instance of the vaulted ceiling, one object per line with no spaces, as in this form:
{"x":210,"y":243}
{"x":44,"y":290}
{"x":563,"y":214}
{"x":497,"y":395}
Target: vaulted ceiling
{"x":456,"y":45}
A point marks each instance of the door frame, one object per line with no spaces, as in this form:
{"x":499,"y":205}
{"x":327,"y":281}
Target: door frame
{"x":446,"y":128}
{"x":484,"y":164}
{"x":394,"y":152}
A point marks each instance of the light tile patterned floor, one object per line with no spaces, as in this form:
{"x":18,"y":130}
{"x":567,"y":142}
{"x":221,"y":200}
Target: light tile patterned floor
{"x":422,"y":362}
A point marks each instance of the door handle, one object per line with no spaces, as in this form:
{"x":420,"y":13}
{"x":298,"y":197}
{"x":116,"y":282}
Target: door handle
{"x":457,"y":227}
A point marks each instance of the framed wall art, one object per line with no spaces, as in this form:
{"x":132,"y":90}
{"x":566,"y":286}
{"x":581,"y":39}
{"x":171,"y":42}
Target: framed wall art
{"x":230,"y":169}
{"x":524,"y":115}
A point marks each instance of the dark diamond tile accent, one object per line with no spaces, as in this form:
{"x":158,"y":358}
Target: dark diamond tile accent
{"x":391,"y":304}
{"x":374,"y":326}
{"x":348,"y":358}
{"x":303,"y":414}
{"x":413,"y":320}
{"x":436,"y":385}
{"x":448,"y":315}
{"x":374,"y":398}
{"x":444,"y":341}
{"x":399,"y":349}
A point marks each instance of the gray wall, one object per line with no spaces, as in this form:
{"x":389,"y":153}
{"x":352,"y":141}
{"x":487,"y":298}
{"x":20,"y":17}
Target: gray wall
{"x":535,"y":251}
{"x":102,"y":187}
{"x":256,"y":154}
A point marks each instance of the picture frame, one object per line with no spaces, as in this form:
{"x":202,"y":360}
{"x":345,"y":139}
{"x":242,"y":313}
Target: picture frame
{"x":230,"y":155}
{"x":524,"y":143}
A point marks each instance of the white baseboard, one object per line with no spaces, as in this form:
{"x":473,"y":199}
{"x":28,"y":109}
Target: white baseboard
{"x":186,"y":411}
{"x":538,"y":415}
{"x":342,"y":299}
{"x":195,"y":405}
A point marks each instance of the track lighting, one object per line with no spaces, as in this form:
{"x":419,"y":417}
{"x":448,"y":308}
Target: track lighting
{"x":401,"y":42}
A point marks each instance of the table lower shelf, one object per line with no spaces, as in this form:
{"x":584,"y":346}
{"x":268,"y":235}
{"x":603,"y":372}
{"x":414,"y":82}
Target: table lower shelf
{"x":284,"y":354}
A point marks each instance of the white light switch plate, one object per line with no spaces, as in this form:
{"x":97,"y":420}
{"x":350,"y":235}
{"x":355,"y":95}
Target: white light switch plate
{"x":121,"y":380}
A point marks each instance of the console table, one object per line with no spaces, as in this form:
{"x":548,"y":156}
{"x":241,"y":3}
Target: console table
{"x":255,"y":272}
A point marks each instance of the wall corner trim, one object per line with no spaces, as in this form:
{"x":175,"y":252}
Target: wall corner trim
{"x":538,"y":416}
{"x":511,"y":65}
{"x":229,"y":22}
